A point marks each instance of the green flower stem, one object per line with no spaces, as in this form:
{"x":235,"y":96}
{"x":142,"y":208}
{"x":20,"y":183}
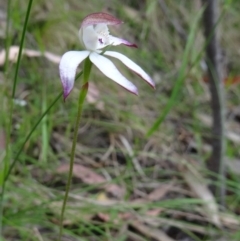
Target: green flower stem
{"x":82,"y":96}
{"x":21,"y":47}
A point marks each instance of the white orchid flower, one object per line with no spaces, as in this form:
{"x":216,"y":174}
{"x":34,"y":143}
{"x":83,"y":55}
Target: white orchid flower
{"x":94,"y":35}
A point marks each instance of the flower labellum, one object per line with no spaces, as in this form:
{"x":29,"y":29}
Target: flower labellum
{"x":95,"y":36}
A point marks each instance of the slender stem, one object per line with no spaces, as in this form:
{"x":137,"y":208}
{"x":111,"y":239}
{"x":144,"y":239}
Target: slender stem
{"x":21,"y":47}
{"x":8,"y":171}
{"x":30,"y":134}
{"x":6,"y":160}
{"x":32,"y":130}
{"x":7,"y":156}
{"x":82,"y":96}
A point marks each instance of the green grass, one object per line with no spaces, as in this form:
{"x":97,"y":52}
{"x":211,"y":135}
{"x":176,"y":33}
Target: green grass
{"x":35,"y":189}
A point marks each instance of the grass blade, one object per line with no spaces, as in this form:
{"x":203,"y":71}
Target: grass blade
{"x":181,"y":76}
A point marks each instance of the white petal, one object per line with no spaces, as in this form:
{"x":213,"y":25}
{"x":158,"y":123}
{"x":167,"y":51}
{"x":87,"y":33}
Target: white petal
{"x":131,"y":65}
{"x":67,"y":69}
{"x":101,"y":28}
{"x":117,"y":41}
{"x":109,"y":69}
{"x":94,"y":37}
{"x":88,"y":37}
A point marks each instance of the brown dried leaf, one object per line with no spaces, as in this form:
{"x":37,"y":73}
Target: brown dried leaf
{"x":104,"y":217}
{"x":154,"y":212}
{"x":152,"y":233}
{"x":14,"y":50}
{"x":52,"y":57}
{"x":157,"y":194}
{"x":88,"y":176}
{"x":160,"y":192}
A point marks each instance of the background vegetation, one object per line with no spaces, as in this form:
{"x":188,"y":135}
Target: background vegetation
{"x":127,"y":186}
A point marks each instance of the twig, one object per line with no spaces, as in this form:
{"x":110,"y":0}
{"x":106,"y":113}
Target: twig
{"x":216,"y":161}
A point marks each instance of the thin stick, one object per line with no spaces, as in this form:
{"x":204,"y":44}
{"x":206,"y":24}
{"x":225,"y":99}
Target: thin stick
{"x":216,"y":161}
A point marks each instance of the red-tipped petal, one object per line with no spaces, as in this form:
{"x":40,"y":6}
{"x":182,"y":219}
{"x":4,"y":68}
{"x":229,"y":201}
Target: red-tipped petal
{"x":109,"y":69}
{"x":117,"y":41}
{"x":131,"y":65}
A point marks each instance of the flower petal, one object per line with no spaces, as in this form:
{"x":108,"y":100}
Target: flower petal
{"x":131,"y":65}
{"x":67,"y":69}
{"x":96,"y":18}
{"x":117,"y":41}
{"x":88,"y":37}
{"x":109,"y":69}
{"x":94,"y":37}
